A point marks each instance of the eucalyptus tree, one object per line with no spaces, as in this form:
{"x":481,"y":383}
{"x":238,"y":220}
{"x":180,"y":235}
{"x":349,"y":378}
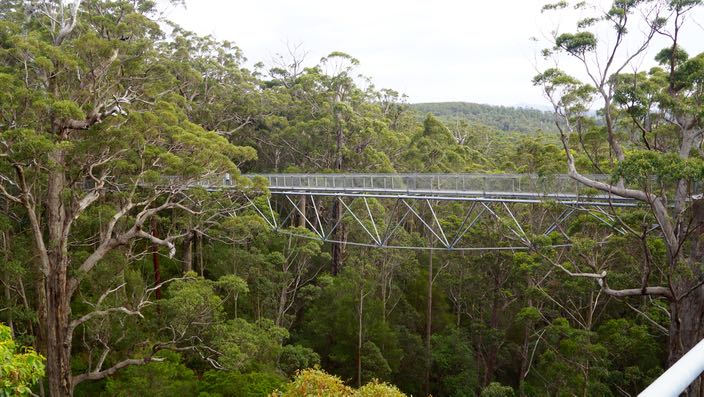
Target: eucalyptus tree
{"x":326,"y":119}
{"x":218,"y":92}
{"x":325,"y":116}
{"x":652,"y":124}
{"x":435,"y":149}
{"x":90,"y":126}
{"x":280,"y":269}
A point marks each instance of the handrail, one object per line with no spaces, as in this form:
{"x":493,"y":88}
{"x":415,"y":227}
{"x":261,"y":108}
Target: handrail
{"x":461,"y":182}
{"x":679,"y":376}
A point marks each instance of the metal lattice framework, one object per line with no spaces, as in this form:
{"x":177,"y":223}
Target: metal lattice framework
{"x":444,"y":207}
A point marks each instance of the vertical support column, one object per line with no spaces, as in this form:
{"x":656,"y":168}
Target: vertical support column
{"x":302,"y":211}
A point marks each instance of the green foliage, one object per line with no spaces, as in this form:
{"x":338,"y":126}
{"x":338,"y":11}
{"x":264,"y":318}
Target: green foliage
{"x":569,"y":350}
{"x":19,"y":368}
{"x":571,"y":94}
{"x":192,"y":301}
{"x":645,"y":167}
{"x":244,"y":345}
{"x":377,"y":389}
{"x":534,"y":157}
{"x":491,"y":118}
{"x":577,"y":43}
{"x":315,"y":382}
{"x":554,"y":6}
{"x":529,"y":313}
{"x":635,"y":353}
{"x":454,"y":362}
{"x":296,"y":357}
{"x":435,"y":150}
{"x":666,"y":55}
{"x":374,"y":363}
{"x":229,"y":383}
{"x":495,"y":389}
{"x":164,"y":378}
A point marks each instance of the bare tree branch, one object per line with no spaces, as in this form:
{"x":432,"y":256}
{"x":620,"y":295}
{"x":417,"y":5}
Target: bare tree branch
{"x":67,"y":26}
{"x":96,"y":375}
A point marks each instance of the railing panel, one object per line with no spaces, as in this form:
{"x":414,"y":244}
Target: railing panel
{"x":453,"y":183}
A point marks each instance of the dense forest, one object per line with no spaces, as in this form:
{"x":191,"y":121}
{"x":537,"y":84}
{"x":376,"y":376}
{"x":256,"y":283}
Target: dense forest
{"x":120,"y":276}
{"x":502,"y":118}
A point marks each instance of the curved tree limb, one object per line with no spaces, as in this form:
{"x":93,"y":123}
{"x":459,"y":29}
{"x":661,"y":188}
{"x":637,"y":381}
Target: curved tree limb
{"x":96,"y":375}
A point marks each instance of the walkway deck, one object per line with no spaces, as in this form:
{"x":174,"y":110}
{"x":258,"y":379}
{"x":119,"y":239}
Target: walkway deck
{"x":528,"y":188}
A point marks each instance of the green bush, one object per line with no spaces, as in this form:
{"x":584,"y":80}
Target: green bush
{"x":496,"y":389}
{"x":318,"y":383}
{"x":18,"y":370}
{"x":155,"y":379}
{"x":226,"y":383}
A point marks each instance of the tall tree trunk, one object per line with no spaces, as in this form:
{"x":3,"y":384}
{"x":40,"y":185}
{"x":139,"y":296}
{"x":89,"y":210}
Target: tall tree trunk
{"x":58,"y":338}
{"x":338,"y":233}
{"x":41,"y":308}
{"x":525,"y":347}
{"x":359,"y":337}
{"x":686,"y":331}
{"x":188,"y":252}
{"x":492,"y":350}
{"x":199,"y":251}
{"x":525,"y":357}
{"x":429,"y":323}
{"x":337,"y":236}
{"x":281,"y":310}
{"x":687,"y":313}
{"x":6,"y":279}
{"x":58,"y":365}
{"x":586,"y":371}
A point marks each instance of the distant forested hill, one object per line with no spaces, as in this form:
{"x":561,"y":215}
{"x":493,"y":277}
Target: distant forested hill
{"x":499,"y":117}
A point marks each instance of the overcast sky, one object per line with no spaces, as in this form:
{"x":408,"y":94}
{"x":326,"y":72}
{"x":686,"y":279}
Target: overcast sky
{"x":433,"y":51}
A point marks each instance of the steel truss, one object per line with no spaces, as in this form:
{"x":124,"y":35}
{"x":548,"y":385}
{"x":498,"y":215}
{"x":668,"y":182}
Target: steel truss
{"x":420,"y":202}
{"x":428,"y":215}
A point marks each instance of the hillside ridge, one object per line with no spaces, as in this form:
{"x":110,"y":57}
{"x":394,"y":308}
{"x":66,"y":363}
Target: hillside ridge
{"x":505,"y":118}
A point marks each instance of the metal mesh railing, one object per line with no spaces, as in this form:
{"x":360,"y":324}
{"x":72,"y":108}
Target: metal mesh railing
{"x":430,"y":183}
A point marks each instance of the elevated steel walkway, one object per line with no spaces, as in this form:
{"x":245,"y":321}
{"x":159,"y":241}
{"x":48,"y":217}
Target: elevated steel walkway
{"x":520,"y":188}
{"x":415,"y":202}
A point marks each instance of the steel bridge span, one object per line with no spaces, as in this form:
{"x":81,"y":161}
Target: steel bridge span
{"x":373,"y":209}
